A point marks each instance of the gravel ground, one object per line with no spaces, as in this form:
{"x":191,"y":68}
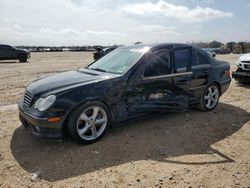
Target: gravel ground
{"x":190,"y":149}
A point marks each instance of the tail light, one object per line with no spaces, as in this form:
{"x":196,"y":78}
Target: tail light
{"x":228,"y":72}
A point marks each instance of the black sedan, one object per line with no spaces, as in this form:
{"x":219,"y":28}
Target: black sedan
{"x":127,"y":83}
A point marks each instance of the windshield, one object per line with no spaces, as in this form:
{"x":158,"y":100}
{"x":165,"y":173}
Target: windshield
{"x":119,"y":60}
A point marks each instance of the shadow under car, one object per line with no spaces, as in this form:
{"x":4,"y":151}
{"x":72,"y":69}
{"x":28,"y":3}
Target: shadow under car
{"x":154,"y":138}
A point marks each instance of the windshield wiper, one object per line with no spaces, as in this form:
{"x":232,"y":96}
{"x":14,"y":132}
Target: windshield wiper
{"x":98,"y":69}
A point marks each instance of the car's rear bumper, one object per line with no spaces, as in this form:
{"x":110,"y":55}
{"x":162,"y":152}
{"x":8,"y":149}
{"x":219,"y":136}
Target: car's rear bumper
{"x":40,"y":126}
{"x":225,"y":85}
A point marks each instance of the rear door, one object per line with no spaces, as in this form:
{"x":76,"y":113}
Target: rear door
{"x":201,"y":69}
{"x":6,"y":52}
{"x":182,"y":67}
{"x":1,"y":52}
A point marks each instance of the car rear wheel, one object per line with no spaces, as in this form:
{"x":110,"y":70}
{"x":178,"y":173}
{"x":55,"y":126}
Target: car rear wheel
{"x":210,"y":98}
{"x":89,"y":122}
{"x":22,"y":58}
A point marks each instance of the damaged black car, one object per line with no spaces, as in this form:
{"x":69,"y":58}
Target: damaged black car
{"x":127,"y":83}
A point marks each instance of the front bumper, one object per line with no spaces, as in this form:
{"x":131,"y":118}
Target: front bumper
{"x":242,"y":74}
{"x":244,"y":65}
{"x":225,"y":85}
{"x":40,"y":126}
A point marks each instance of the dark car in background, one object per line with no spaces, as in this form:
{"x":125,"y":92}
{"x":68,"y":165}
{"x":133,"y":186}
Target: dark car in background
{"x":129,"y":82}
{"x":221,"y":51}
{"x":11,"y":53}
{"x":210,"y":52}
{"x":102,"y":52}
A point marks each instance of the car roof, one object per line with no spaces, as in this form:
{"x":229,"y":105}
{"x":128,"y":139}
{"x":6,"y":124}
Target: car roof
{"x":4,"y":45}
{"x":158,"y":45}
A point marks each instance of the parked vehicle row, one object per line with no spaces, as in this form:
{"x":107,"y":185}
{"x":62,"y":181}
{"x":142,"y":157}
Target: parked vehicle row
{"x":221,"y":51}
{"x":60,"y":49}
{"x":127,"y":83}
{"x":210,"y":52}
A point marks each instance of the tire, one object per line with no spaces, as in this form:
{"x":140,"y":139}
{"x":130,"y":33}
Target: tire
{"x":22,"y":58}
{"x":211,"y":93}
{"x":89,"y":122}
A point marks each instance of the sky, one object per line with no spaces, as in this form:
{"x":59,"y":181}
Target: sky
{"x":108,"y":22}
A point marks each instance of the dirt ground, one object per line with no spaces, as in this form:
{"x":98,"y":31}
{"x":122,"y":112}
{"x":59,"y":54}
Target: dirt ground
{"x":190,"y":149}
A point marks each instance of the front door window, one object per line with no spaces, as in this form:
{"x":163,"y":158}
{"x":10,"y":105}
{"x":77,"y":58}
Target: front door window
{"x":158,"y":65}
{"x":183,"y":57}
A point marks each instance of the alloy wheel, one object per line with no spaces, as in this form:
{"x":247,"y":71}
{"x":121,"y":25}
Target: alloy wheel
{"x":91,"y":123}
{"x":211,"y":97}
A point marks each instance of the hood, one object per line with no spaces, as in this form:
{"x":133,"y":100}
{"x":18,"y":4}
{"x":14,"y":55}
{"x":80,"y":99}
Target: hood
{"x":23,"y":50}
{"x":245,"y":57}
{"x":64,"y":80}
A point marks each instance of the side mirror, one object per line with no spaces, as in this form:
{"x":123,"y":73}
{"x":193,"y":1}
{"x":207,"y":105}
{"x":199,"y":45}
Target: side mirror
{"x":214,"y":55}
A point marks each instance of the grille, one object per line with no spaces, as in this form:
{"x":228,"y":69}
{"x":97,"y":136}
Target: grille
{"x":27,"y":99}
{"x":247,"y":66}
{"x":248,"y":62}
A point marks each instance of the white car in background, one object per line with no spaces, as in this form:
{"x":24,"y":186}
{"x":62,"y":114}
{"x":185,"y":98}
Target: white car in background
{"x":244,"y":62}
{"x":242,"y":74}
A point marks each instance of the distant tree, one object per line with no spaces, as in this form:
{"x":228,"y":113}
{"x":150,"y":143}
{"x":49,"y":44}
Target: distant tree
{"x":237,"y":49}
{"x":230,"y":46}
{"x":247,"y":48}
{"x":202,"y":44}
{"x":215,"y":44}
{"x":243,"y":46}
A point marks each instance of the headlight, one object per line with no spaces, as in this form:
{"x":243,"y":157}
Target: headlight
{"x":238,"y":62}
{"x":43,"y":104}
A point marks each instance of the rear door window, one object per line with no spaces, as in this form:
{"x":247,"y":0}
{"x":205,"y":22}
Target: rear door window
{"x":183,"y":58}
{"x":194,"y":59}
{"x":4,"y":47}
{"x":202,"y":60}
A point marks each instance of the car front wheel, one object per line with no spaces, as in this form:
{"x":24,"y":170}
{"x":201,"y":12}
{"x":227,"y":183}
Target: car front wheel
{"x":22,"y":58}
{"x":89,"y":122}
{"x":210,"y":98}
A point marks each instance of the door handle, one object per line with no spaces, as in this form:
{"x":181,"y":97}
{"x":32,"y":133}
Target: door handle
{"x":204,"y":71}
{"x":182,"y":82}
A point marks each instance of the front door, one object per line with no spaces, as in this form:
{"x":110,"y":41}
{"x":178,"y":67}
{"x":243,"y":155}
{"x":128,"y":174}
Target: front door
{"x":155,"y":86}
